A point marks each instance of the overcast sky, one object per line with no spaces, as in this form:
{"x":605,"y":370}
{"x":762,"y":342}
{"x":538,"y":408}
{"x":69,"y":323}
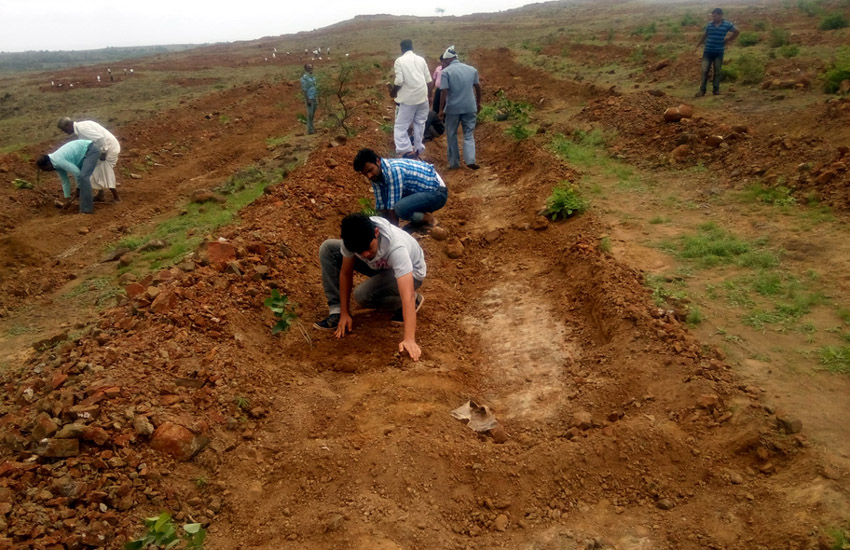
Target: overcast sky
{"x":90,"y":24}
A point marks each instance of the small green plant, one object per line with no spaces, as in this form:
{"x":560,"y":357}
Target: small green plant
{"x":694,"y":316}
{"x":519,"y":131}
{"x":833,"y":21}
{"x":565,"y":201}
{"x":778,"y":196}
{"x":241,"y":402}
{"x":224,"y":119}
{"x":201,"y":483}
{"x":779,"y":37}
{"x":366,"y":206}
{"x":839,"y":71}
{"x":749,"y":38}
{"x":22,"y":184}
{"x":504,"y":109}
{"x":605,"y":244}
{"x":282,"y":310}
{"x":712,"y":246}
{"x":789,"y":50}
{"x":840,"y":538}
{"x":655,"y":220}
{"x":646,"y":31}
{"x":386,"y":127}
{"x":688,"y":20}
{"x":759,"y":25}
{"x":162,"y":534}
{"x":809,"y":7}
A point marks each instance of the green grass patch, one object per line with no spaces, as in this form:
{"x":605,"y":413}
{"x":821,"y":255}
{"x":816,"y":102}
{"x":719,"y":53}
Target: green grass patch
{"x":778,"y":196}
{"x":839,"y":71}
{"x":655,"y":220}
{"x":749,"y":38}
{"x":712,"y":246}
{"x":17,"y":330}
{"x":833,"y":21}
{"x":185,"y":232}
{"x":835,"y":359}
{"x":666,"y":290}
{"x":504,"y":108}
{"x":785,"y":312}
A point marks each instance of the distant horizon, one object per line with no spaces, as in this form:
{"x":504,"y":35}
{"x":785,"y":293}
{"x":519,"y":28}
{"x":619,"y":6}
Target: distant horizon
{"x":51,"y":25}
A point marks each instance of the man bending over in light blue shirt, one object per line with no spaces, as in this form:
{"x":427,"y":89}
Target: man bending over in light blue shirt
{"x":78,"y":158}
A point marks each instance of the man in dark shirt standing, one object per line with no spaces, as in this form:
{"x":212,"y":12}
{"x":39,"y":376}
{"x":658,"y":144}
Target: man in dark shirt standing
{"x":715,"y":41}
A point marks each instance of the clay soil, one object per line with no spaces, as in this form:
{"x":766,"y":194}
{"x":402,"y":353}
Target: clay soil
{"x":620,"y":427}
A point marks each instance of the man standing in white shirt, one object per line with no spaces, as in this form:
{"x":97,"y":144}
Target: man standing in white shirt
{"x":103,"y":176}
{"x":412,"y":93}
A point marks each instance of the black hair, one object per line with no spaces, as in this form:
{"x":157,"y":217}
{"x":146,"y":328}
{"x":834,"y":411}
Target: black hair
{"x":406,"y":45}
{"x":718,"y":11}
{"x":44,"y":163}
{"x":357,"y":232}
{"x":364,"y":156}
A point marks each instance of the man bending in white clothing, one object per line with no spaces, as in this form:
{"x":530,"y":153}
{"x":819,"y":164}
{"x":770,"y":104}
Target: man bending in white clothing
{"x":103,"y":176}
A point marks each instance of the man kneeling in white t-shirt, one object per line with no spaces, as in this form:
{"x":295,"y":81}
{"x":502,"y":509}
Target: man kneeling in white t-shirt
{"x":395,"y":265}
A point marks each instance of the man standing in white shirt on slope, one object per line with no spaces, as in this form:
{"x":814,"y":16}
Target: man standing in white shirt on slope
{"x":412,"y":92}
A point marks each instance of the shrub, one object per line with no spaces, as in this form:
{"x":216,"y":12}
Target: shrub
{"x":749,"y":38}
{"x":833,"y":21}
{"x":759,"y":25}
{"x":750,"y":69}
{"x":840,"y":70}
{"x":688,"y":20}
{"x":729,"y":73}
{"x":779,"y":37}
{"x":789,"y":50}
{"x":809,"y":7}
{"x":645,"y":30}
{"x":519,"y":131}
{"x":282,"y":310}
{"x":564,"y":202}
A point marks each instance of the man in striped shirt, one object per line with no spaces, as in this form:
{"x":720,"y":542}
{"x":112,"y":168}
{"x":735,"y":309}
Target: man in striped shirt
{"x":715,"y":42}
{"x":405,"y":189}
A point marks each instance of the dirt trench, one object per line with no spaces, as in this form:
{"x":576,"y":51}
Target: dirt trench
{"x":623,"y":431}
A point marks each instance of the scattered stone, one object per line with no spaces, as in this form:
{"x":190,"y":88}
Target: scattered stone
{"x":142,"y":426}
{"x":790,"y":424}
{"x":736,"y":478}
{"x":439,"y":233}
{"x":165,"y":301}
{"x":71,"y":431}
{"x":499,"y":435}
{"x":331,"y":163}
{"x":661,"y":64}
{"x":581,"y":420}
{"x":177,"y":441}
{"x":686,"y":111}
{"x":714,"y":141}
{"x":220,"y":252}
{"x":116,"y":254}
{"x":134,"y":290}
{"x":154,"y":244}
{"x":680,"y":153}
{"x":665,"y":504}
{"x":50,"y":342}
{"x":492,"y":236}
{"x":127,"y":278}
{"x":454,"y":249}
{"x":501,"y":523}
{"x":152,"y":292}
{"x":202,"y":196}
{"x":83,"y":230}
{"x":135,"y":176}
{"x":540,"y":224}
{"x":655,"y":92}
{"x":672,"y":114}
{"x":58,"y":448}
{"x":44,"y":427}
{"x":708,"y":401}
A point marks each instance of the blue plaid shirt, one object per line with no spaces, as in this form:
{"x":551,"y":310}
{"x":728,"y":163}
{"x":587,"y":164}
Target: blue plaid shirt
{"x":403,"y":177}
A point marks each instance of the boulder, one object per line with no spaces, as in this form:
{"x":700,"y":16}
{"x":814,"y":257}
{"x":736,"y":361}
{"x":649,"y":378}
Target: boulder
{"x":177,"y":441}
{"x":672,"y":114}
{"x":220,"y":252}
{"x":454,"y":249}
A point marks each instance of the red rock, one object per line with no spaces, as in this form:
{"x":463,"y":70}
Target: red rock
{"x":582,"y":420}
{"x":661,"y":64}
{"x":454,"y":249}
{"x":672,"y":115}
{"x":14,"y":468}
{"x":58,"y":379}
{"x":44,"y":427}
{"x":165,"y":302}
{"x":826,"y":177}
{"x":686,"y":110}
{"x":176,"y":441}
{"x":680,"y":153}
{"x":96,"y":435}
{"x":708,"y":401}
{"x":714,"y":141}
{"x":220,"y":252}
{"x":134,"y":290}
{"x":58,"y":448}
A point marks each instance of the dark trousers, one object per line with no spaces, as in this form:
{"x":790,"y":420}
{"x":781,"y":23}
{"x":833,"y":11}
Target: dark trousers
{"x":709,"y":60}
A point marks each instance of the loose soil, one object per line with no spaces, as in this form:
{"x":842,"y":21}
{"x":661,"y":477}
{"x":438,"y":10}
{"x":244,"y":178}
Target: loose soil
{"x":622,"y":427}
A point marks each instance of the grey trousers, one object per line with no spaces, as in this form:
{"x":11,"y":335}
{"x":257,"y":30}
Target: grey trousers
{"x":379,"y":291}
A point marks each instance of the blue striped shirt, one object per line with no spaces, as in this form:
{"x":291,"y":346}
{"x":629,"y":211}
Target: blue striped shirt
{"x":403,"y":177}
{"x":716,"y":35}
{"x":308,"y":86}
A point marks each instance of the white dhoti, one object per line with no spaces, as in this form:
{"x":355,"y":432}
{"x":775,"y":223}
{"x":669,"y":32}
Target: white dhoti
{"x":103,"y":176}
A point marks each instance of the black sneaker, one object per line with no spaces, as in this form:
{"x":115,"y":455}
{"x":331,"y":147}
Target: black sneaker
{"x":328,"y":323}
{"x":398,"y":316}
{"x":473,"y":166}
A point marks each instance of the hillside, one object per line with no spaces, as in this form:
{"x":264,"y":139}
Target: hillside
{"x":669,"y":369}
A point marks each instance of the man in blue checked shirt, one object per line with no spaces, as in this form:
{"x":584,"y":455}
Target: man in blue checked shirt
{"x":308,"y":88}
{"x":715,"y":43}
{"x":405,"y":189}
